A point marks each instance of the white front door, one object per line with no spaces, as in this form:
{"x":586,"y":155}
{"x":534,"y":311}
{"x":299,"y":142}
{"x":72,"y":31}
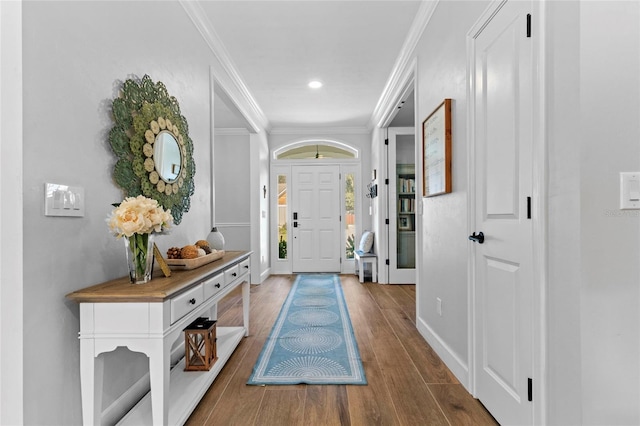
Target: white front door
{"x":315,"y":209}
{"x":503,"y":275}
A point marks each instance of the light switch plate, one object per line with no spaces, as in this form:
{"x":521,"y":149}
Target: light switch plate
{"x":630,"y":190}
{"x":63,"y":200}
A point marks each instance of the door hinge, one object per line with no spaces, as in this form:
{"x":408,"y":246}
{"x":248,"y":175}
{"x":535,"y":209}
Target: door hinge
{"x":530,"y":389}
{"x":386,"y":141}
{"x":528,"y":207}
{"x":528,"y":25}
{"x":386,"y":221}
{"x":386,"y":261}
{"x":386,"y":181}
{"x":340,"y":218}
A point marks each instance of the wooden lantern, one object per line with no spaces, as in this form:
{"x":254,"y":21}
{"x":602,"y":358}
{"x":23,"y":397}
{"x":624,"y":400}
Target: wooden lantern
{"x":200,"y":345}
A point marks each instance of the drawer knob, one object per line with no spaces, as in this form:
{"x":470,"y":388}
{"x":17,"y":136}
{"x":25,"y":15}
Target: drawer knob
{"x":192,"y":301}
{"x":234,"y":274}
{"x":217,"y":285}
{"x":246,"y":266}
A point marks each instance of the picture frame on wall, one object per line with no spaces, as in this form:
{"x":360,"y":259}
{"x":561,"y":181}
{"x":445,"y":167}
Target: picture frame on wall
{"x":436,"y":151}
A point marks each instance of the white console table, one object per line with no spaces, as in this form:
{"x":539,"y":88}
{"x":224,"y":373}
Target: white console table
{"x":149,"y":318}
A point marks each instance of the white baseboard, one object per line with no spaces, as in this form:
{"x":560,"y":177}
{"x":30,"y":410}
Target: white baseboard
{"x":265,"y":274}
{"x":458,"y":367}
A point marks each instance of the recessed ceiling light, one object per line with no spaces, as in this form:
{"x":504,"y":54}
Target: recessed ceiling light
{"x":315,"y":84}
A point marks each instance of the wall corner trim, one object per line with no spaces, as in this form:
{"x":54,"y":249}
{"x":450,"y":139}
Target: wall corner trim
{"x":403,"y":63}
{"x":202,"y":23}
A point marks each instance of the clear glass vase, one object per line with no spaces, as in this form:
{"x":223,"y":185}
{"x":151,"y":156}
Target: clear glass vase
{"x":139,"y":249}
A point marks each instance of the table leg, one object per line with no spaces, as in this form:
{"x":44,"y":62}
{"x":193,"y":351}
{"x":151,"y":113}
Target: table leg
{"x":159,"y":371}
{"x":91,"y":374}
{"x":213,"y":312}
{"x":246,"y":291}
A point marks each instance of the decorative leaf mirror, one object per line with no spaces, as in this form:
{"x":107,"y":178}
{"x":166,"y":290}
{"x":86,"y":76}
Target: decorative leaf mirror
{"x":151,"y":140}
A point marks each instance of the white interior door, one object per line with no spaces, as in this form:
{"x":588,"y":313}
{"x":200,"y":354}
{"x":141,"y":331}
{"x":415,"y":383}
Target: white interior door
{"x":315,"y":209}
{"x":502,"y":75}
{"x":402,"y":205}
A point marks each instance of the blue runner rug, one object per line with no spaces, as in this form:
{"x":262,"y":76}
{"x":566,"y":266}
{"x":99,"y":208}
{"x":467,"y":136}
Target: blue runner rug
{"x":312,"y":340}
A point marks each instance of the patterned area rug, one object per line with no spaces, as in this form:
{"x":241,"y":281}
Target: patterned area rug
{"x":312,"y":340}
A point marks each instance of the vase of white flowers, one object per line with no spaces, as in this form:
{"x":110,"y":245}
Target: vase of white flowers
{"x":137,"y":219}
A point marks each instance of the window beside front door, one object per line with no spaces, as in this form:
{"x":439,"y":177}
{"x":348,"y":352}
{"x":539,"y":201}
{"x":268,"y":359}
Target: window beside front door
{"x":282,"y":217}
{"x":350,"y":214}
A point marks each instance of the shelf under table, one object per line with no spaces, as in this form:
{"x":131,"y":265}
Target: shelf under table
{"x":187,"y":387}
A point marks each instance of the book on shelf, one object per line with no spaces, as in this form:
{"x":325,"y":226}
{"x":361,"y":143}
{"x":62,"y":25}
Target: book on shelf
{"x":406,"y":205}
{"x":406,"y":185}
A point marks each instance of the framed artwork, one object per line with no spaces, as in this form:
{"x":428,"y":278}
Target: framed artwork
{"x":157,"y":256}
{"x":436,"y":151}
{"x":404,"y":223}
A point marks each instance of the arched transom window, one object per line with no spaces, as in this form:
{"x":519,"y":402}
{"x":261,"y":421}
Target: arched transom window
{"x":320,"y":149}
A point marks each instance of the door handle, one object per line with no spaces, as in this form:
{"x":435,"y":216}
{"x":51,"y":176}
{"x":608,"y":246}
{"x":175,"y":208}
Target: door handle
{"x":295,"y":224}
{"x":477,"y":238}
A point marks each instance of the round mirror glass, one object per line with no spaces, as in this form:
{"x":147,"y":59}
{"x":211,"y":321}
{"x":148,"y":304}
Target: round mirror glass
{"x":166,"y":156}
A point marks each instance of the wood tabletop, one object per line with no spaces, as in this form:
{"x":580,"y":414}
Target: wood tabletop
{"x":158,"y":289}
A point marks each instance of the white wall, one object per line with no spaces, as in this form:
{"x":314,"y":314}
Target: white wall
{"x":593,"y":300}
{"x":231,"y":157}
{"x":260,"y":220}
{"x":443,"y":262}
{"x":11,"y":243}
{"x":564,"y":360}
{"x":76,"y":55}
{"x":379,"y":204}
{"x":610,"y":238}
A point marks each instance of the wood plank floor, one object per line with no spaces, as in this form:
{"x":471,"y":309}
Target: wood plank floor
{"x":408,"y":384}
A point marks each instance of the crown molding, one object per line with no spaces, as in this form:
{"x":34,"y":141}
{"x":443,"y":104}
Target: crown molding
{"x":402,"y":67}
{"x":315,"y":131}
{"x":202,"y":23}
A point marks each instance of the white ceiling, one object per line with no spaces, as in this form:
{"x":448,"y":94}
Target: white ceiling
{"x":277,"y":47}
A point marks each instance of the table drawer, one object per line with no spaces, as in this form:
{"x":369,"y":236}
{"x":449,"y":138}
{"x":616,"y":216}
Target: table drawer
{"x":245,"y":266}
{"x":231,"y":274}
{"x":213,"y":285}
{"x":186,"y":302}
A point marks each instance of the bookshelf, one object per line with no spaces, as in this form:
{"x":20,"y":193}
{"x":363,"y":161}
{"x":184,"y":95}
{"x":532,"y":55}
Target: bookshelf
{"x":406,"y":216}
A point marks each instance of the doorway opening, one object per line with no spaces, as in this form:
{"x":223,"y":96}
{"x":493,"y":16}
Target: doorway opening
{"x":402,"y":222}
{"x":402,"y":205}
